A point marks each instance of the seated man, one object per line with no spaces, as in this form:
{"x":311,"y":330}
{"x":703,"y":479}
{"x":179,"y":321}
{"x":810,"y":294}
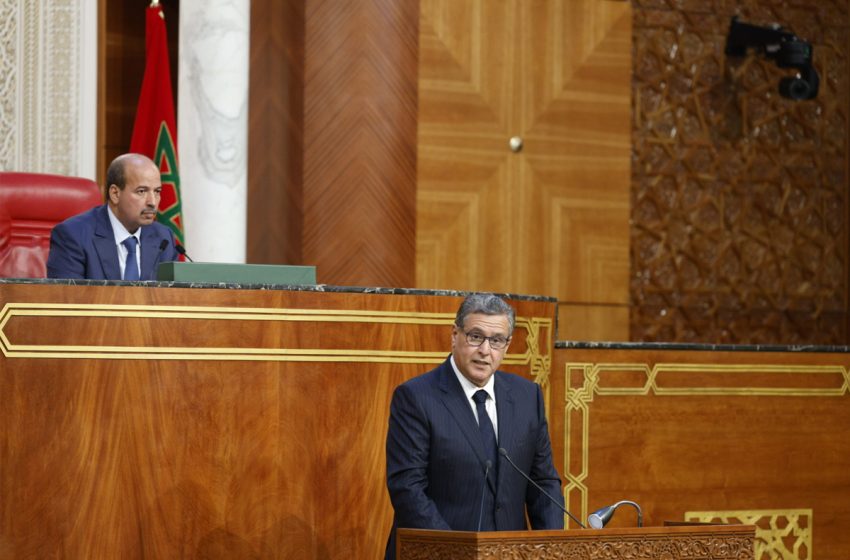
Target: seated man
{"x":121,"y":239}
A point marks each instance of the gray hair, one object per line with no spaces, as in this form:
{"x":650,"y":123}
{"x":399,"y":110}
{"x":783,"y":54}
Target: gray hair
{"x":486,"y":304}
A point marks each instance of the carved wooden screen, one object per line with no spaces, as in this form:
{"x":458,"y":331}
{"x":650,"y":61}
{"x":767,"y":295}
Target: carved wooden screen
{"x":739,"y":196}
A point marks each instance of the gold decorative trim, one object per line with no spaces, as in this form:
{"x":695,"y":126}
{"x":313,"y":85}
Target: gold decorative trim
{"x":780,"y":533}
{"x":578,"y":400}
{"x":535,"y":340}
{"x":651,"y":380}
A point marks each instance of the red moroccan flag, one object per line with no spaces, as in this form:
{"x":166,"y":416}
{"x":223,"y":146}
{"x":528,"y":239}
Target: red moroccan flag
{"x":155,"y":129}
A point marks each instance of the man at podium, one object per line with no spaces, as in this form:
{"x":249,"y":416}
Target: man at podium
{"x":119,"y":240}
{"x":460,"y":434}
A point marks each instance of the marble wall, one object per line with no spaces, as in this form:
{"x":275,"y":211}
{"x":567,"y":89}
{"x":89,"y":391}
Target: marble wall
{"x":213,"y":126}
{"x":48,"y":86}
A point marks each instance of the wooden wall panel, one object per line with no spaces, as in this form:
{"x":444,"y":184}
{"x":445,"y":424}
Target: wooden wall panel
{"x":740,"y":206}
{"x":142,"y":422}
{"x":701,"y":434}
{"x":553,"y":217}
{"x":275,"y":133}
{"x":333,"y":139}
{"x":360,"y":141}
{"x":593,"y":322}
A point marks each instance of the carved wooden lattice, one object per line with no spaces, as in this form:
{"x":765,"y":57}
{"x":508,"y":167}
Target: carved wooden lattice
{"x":634,"y":548}
{"x":739,"y":196}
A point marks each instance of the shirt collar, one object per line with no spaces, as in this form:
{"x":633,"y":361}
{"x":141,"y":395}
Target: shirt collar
{"x":119,"y":231}
{"x":469,"y":388}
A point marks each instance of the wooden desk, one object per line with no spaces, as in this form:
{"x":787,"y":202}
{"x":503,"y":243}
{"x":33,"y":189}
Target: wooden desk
{"x":171,"y":422}
{"x":709,"y":433}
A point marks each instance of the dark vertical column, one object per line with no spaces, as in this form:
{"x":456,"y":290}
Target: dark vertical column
{"x":332,"y":138}
{"x":360,"y":114}
{"x":275,"y":132}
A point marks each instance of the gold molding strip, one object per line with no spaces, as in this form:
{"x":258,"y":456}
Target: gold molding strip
{"x":653,"y":385}
{"x":535,"y":340}
{"x":776,"y":529}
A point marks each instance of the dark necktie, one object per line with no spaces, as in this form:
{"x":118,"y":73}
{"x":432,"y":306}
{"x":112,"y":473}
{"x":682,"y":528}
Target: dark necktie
{"x":485,"y":426}
{"x":131,"y":269}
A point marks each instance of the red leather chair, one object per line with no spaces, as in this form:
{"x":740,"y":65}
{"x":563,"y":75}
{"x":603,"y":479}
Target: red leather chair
{"x":30,"y":205}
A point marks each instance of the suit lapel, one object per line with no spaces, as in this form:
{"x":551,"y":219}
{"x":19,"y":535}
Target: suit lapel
{"x":455,"y":401}
{"x":104,"y":244}
{"x":505,"y":414}
{"x":150,"y":251}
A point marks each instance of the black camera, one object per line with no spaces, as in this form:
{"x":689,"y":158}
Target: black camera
{"x":785,"y":48}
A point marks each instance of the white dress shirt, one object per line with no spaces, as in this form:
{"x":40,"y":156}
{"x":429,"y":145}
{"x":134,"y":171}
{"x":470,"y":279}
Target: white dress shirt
{"x":469,"y":389}
{"x":121,"y":233}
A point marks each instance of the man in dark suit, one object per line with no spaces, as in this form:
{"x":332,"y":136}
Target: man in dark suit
{"x":121,"y":239}
{"x":446,"y":428}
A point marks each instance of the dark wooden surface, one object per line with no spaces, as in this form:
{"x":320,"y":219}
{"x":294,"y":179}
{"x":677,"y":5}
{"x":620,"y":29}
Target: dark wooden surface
{"x":332,"y":138}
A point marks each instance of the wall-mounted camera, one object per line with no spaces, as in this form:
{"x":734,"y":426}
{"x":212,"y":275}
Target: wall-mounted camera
{"x":785,"y":48}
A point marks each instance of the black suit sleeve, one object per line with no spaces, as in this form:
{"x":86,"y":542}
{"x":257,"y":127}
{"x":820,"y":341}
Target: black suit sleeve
{"x":407,"y":464}
{"x":542,"y":513}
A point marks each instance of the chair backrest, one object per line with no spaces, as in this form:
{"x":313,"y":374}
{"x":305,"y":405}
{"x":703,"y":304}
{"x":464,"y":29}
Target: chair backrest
{"x":30,"y":205}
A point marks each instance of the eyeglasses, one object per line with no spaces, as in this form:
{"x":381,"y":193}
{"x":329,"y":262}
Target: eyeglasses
{"x":475,"y":338}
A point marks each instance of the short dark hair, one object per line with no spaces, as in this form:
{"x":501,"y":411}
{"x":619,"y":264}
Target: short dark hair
{"x":116,"y":172}
{"x":115,"y":176}
{"x":486,"y":304}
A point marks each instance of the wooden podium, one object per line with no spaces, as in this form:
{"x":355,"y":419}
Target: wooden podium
{"x":706,"y":542}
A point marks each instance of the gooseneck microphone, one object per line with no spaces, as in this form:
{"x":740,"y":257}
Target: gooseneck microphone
{"x":545,"y":493}
{"x":600,"y":518}
{"x":182,"y":250}
{"x":487,"y":466}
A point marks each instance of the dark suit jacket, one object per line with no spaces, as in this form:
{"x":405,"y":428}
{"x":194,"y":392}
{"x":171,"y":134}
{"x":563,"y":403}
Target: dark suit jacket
{"x":83,"y":246}
{"x":436,"y":459}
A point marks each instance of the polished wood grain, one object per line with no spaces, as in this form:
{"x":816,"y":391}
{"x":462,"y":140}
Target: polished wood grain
{"x":593,"y":322}
{"x":276,"y":132}
{"x":211,"y":423}
{"x":552,"y":218}
{"x":333,"y":122}
{"x":680,"y":431}
{"x":360,"y":114}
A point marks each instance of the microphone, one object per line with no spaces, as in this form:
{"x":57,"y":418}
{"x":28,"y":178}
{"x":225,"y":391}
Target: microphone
{"x":600,"y":518}
{"x":182,"y":251}
{"x":487,"y":466}
{"x":162,"y":247}
{"x":504,"y":454}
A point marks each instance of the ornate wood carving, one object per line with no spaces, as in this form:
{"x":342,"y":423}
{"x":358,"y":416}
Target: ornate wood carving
{"x":670,"y":543}
{"x":739,"y":197}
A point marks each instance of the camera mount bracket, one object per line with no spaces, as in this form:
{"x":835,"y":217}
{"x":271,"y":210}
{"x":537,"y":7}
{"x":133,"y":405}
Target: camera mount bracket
{"x":784,"y":48}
